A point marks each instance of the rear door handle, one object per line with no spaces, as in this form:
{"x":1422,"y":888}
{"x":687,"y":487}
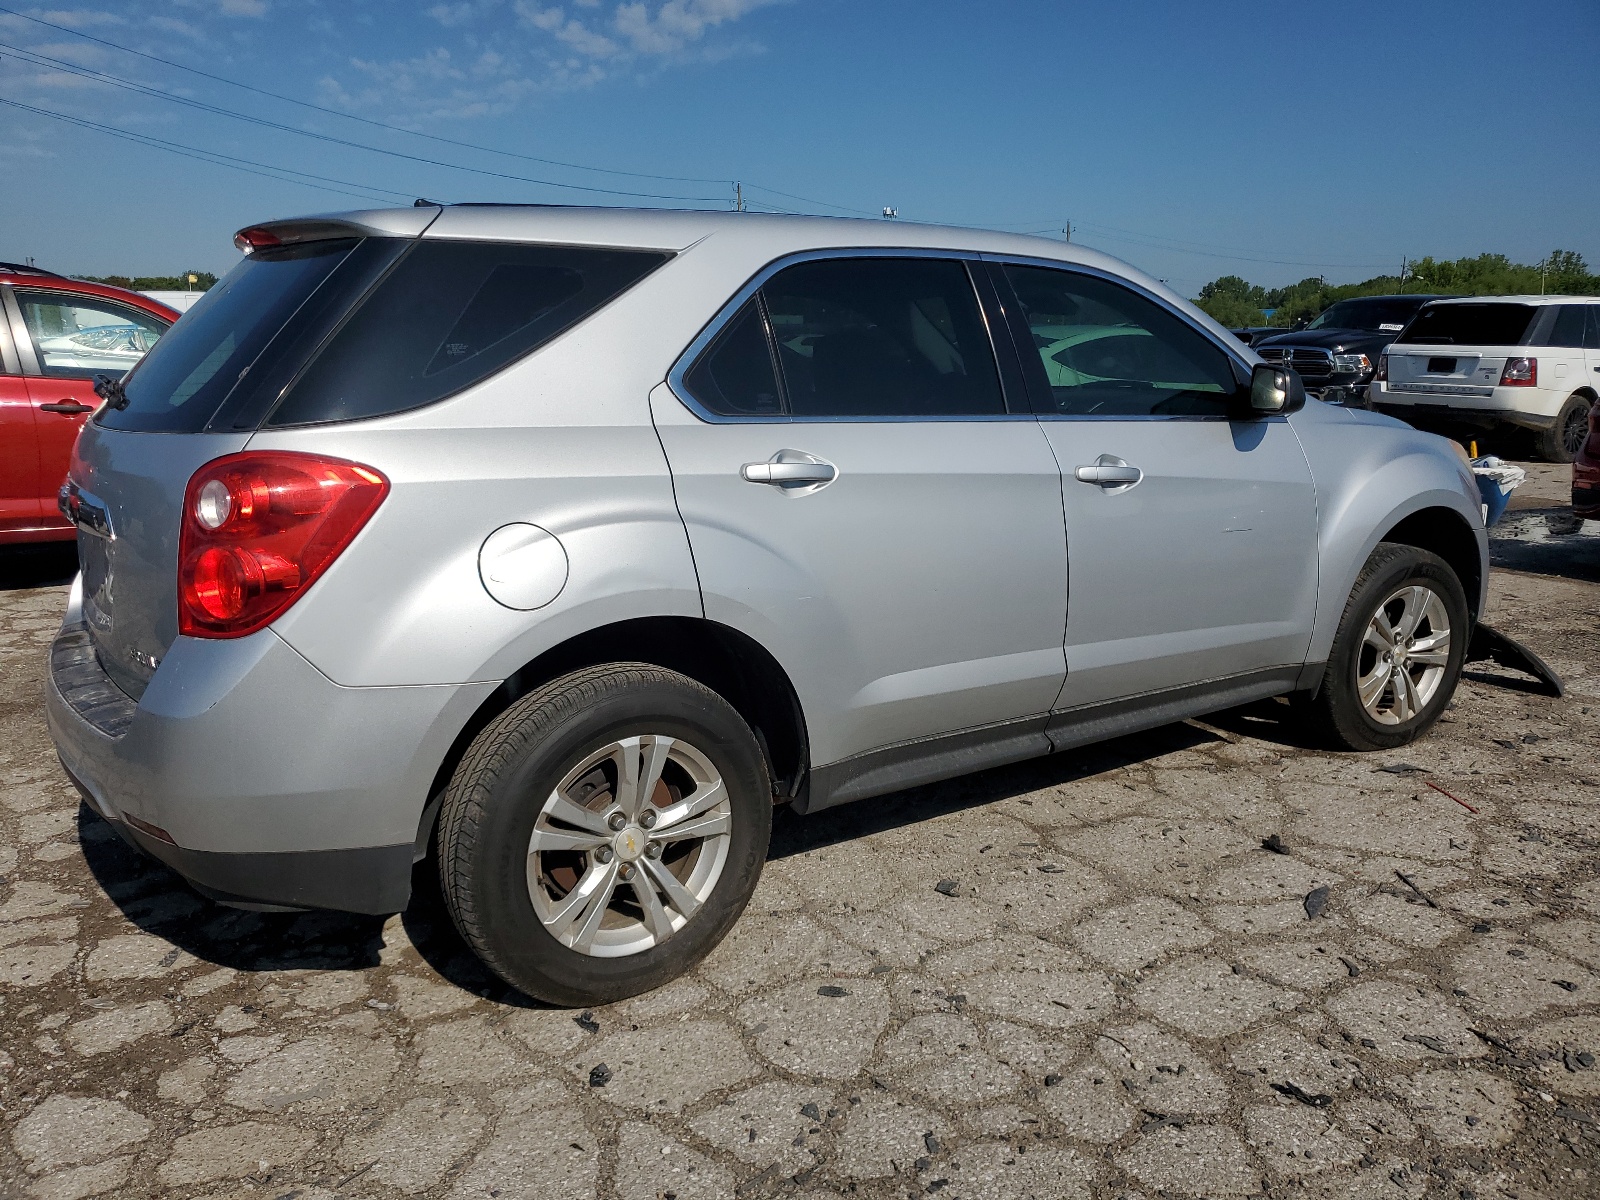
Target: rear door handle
{"x":788,"y":472}
{"x":1109,"y":472}
{"x":70,"y":408}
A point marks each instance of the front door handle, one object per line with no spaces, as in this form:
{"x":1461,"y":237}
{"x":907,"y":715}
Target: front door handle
{"x":1109,"y":471}
{"x":70,"y":408}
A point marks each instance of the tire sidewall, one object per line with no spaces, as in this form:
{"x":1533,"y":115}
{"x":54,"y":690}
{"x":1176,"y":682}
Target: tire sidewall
{"x":1413,"y":565}
{"x":521,"y":949}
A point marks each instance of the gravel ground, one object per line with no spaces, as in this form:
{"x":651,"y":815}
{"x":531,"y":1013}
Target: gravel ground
{"x":1083,"y":976}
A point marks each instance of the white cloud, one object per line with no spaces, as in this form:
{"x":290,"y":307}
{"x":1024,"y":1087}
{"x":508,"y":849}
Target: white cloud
{"x":244,"y":8}
{"x":450,"y":15}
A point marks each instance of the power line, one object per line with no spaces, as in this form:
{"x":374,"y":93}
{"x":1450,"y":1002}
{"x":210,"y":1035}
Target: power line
{"x":333,"y":112}
{"x":161,"y":94}
{"x":249,"y":166}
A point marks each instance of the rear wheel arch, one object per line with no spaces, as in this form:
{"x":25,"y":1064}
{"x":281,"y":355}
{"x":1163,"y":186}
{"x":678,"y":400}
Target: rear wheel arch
{"x":730,"y":663}
{"x":1445,"y":532}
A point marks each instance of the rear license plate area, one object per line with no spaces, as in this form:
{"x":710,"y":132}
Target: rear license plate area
{"x":1441,"y":366}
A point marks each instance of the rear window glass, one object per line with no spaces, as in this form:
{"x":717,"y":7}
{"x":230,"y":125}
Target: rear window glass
{"x":450,"y":314}
{"x":1470,"y":325}
{"x":184,"y":379}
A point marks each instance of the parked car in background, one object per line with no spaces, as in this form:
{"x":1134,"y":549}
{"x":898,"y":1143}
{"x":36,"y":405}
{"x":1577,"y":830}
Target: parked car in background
{"x":1251,"y":334}
{"x":1337,"y":352}
{"x":564,"y":544}
{"x":1529,"y":362}
{"x":56,"y":335}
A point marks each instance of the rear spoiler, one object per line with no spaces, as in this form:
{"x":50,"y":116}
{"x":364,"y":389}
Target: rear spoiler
{"x":381,"y":222}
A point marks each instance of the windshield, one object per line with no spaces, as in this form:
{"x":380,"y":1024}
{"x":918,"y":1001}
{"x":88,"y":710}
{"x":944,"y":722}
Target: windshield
{"x":1374,"y":316}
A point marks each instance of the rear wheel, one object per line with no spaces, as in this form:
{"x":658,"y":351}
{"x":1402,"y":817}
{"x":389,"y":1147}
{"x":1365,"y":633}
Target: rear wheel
{"x":604,"y":833}
{"x":1562,"y":441}
{"x":1397,"y":655}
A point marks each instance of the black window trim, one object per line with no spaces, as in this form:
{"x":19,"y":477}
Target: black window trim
{"x":9,"y":364}
{"x":1016,"y":406}
{"x":1038,"y":382}
{"x":1011,"y":364}
{"x":27,"y":353}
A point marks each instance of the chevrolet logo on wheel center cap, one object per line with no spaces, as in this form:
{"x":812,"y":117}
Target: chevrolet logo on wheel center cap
{"x":630,"y":844}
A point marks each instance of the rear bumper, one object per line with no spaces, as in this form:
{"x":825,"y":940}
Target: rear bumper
{"x":252,"y":774}
{"x":1531,"y":408}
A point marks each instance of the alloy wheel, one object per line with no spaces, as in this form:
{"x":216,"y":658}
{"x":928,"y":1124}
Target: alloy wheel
{"x":1404,"y":654}
{"x":1575,"y":430}
{"x":629,"y":845}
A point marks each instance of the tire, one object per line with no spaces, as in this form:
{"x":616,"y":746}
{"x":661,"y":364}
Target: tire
{"x":1562,"y":441}
{"x":515,"y":862}
{"x":1337,"y":715}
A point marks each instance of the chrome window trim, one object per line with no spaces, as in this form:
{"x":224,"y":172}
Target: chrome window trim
{"x":675,"y":376}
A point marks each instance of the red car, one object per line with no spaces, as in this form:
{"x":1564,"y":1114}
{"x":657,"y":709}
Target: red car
{"x":56,"y":335}
{"x":1586,"y":470}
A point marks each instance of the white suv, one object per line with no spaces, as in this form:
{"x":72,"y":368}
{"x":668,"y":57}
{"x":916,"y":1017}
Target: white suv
{"x":1528,"y":361}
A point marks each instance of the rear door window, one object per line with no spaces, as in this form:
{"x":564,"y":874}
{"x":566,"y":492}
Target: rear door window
{"x":1489,"y":324}
{"x":1107,"y":351}
{"x":78,"y":337}
{"x":882,"y":337}
{"x":450,"y":314}
{"x":1591,"y":335}
{"x":735,"y":376}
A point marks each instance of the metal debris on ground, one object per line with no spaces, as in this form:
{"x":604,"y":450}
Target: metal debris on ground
{"x":1317,"y":901}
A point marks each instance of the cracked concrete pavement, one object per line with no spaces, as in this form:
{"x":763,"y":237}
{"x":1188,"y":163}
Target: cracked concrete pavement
{"x":1082,"y":976}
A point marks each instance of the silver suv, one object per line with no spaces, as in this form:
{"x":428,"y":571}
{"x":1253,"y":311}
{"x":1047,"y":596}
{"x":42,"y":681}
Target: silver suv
{"x":561,"y":545}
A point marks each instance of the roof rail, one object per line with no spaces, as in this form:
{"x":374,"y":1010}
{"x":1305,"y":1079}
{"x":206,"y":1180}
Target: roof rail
{"x":24,"y":269}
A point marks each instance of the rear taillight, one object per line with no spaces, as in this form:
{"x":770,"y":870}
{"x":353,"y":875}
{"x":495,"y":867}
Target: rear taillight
{"x":258,"y":528}
{"x":1520,"y":372}
{"x":1382,"y":375}
{"x":1591,"y":444}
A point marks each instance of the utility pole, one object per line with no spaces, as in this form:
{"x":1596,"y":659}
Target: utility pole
{"x":1067,"y":232}
{"x":1543,"y":263}
{"x":1402,"y":273}
{"x":738,"y":197}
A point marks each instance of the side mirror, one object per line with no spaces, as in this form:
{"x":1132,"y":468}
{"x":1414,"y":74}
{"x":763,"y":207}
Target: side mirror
{"x":1275,"y":390}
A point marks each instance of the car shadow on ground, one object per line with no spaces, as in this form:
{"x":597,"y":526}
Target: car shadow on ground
{"x":156,"y":899}
{"x":43,"y":564}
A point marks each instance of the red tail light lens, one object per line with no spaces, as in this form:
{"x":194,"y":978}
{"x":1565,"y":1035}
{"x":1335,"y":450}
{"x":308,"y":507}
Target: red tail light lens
{"x":1520,"y":372}
{"x":258,"y":528}
{"x":1382,"y":375}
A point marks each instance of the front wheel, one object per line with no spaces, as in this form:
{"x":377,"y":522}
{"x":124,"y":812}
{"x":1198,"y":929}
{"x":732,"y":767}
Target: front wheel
{"x":1397,"y":655}
{"x":604,"y":833}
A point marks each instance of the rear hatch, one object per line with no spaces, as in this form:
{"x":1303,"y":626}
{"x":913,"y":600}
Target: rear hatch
{"x":1455,"y":350}
{"x":199,"y":394}
{"x":323,"y":322}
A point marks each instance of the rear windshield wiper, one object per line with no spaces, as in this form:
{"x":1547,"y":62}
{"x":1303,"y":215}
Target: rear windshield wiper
{"x":110,"y":390}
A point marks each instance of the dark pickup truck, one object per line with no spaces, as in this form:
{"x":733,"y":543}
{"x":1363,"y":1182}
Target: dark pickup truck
{"x":1336,"y":353}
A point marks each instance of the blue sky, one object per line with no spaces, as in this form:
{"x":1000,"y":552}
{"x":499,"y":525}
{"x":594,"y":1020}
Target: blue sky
{"x":1274,"y":141}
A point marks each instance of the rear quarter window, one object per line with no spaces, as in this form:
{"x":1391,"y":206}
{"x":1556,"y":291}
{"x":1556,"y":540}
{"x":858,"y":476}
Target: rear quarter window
{"x":1490,"y":324}
{"x":449,"y":315}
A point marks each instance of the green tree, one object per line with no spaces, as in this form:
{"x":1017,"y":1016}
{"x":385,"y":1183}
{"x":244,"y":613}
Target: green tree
{"x":1562,"y":273}
{"x":1233,"y":301}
